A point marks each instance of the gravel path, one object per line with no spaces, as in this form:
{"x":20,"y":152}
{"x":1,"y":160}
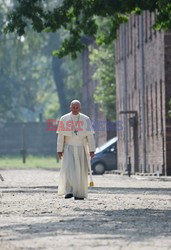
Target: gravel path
{"x":120,"y":213}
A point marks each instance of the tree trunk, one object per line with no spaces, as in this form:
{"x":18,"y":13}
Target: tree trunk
{"x":60,"y":87}
{"x":58,"y":73}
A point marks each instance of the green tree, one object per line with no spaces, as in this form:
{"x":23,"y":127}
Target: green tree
{"x":28,"y":73}
{"x":24,"y":71}
{"x":79,"y":17}
{"x":169,"y":113}
{"x":103,"y":60}
{"x":67,"y":75}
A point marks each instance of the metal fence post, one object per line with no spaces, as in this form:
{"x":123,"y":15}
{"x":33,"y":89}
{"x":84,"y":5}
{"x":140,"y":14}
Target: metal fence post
{"x":129,"y":166}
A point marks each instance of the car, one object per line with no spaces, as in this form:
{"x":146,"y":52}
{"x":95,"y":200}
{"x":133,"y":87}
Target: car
{"x":105,"y":158}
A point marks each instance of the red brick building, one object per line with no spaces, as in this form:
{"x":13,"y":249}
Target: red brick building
{"x":143,"y":80}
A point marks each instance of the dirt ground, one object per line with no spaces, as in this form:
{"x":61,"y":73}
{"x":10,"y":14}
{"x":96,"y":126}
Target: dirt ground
{"x":120,"y":213}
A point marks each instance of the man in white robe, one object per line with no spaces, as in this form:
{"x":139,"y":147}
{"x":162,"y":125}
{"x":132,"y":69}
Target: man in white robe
{"x":75,"y":146}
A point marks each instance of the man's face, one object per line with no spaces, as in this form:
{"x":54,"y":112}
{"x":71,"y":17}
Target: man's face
{"x":75,"y":108}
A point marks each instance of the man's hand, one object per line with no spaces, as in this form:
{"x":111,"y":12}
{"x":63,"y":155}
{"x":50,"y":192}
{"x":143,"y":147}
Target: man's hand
{"x":91,"y":154}
{"x":60,"y":154}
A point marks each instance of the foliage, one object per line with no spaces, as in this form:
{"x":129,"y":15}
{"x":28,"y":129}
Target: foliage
{"x":79,"y":17}
{"x":169,"y":113}
{"x":103,"y":59}
{"x":25,"y":77}
{"x":73,"y":78}
{"x":26,"y":81}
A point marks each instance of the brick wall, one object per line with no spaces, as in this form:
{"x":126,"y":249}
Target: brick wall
{"x":157,"y":54}
{"x":167,"y":41}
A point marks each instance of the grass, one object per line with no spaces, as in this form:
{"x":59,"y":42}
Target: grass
{"x":16,"y":162}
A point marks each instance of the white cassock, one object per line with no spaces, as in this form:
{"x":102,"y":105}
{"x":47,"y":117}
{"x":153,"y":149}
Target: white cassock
{"x":75,"y":146}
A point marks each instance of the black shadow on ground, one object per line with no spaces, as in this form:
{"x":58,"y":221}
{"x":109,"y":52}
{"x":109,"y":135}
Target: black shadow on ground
{"x":102,"y":190}
{"x":131,"y":224}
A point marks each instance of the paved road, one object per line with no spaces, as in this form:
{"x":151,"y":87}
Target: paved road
{"x":121,"y":213}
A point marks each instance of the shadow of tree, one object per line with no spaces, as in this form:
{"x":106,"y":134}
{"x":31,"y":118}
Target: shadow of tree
{"x":131,"y":224}
{"x":129,"y":190}
{"x":102,"y":190}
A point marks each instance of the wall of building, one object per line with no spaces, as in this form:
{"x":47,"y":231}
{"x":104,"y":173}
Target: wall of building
{"x":142,"y":56}
{"x":167,"y":42}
